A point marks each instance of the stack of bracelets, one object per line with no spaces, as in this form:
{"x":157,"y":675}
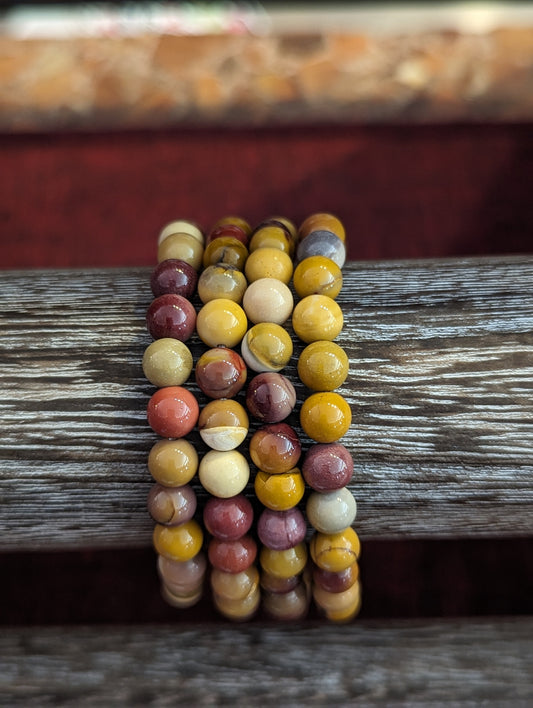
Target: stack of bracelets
{"x":239,"y":280}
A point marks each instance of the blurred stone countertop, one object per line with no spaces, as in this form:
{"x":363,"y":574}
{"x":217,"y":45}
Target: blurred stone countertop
{"x":377,"y":64}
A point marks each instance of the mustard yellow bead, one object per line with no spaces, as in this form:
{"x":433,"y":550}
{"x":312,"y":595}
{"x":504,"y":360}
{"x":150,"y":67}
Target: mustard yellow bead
{"x":173,"y":463}
{"x":241,"y":609}
{"x":289,"y":225}
{"x":266,"y":347}
{"x":317,"y":317}
{"x":279,"y":491}
{"x":317,"y":275}
{"x":234,"y":586}
{"x":336,"y":601}
{"x":284,"y":564}
{"x":167,"y":362}
{"x":233,"y":221}
{"x":179,"y":543}
{"x":271,"y":237}
{"x":335,"y":551}
{"x":323,"y":366}
{"x":346,"y":615}
{"x":322,"y":221}
{"x":183,"y":247}
{"x":181,"y":226}
{"x":325,"y":417}
{"x":225,"y":249}
{"x":269,"y":263}
{"x":221,"y":322}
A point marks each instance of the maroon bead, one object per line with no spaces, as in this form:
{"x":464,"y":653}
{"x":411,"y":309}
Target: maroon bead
{"x":327,"y":466}
{"x":174,"y":276}
{"x":232,"y":556}
{"x":220,"y":373}
{"x":336,"y":582}
{"x":281,"y":530}
{"x":228,"y":230}
{"x":275,"y":448}
{"x":228,"y":519}
{"x":270,"y":397}
{"x":271,"y":583}
{"x":171,"y":316}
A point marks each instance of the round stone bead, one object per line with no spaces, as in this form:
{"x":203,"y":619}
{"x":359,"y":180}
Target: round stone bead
{"x":284,"y":564}
{"x":322,"y":243}
{"x":331,"y":512}
{"x":323,"y":366}
{"x":172,"y":412}
{"x":228,"y":519}
{"x":223,"y":424}
{"x":235,"y":221}
{"x":269,"y":263}
{"x":287,"y":223}
{"x":289,"y":606}
{"x":336,"y":601}
{"x":181,"y":600}
{"x":238,"y":610}
{"x":171,"y":505}
{"x":235,"y":586}
{"x":317,"y":275}
{"x":220,"y":372}
{"x":183,"y":247}
{"x":346,"y":615}
{"x":180,"y":543}
{"x":271,"y":583}
{"x":173,"y":463}
{"x":336,"y":582}
{"x":232,"y":230}
{"x":271,"y":236}
{"x":325,"y":417}
{"x":322,"y":221}
{"x":268,"y":300}
{"x":327,"y":467}
{"x":221,"y":322}
{"x":181,"y":226}
{"x":171,"y":316}
{"x":221,"y":281}
{"x":182,"y":576}
{"x":280,"y":530}
{"x":232,"y":556}
{"x":335,"y":552}
{"x":226,"y":249}
{"x":174,"y":277}
{"x":275,"y":448}
{"x":279,"y":492}
{"x":223,"y":474}
{"x":266,"y":347}
{"x":317,"y":317}
{"x":270,"y":397}
{"x":167,"y":362}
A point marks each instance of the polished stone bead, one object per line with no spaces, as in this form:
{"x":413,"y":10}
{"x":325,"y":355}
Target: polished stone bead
{"x":337,"y":601}
{"x":271,"y":583}
{"x":275,"y":448}
{"x":171,"y":316}
{"x":232,"y":556}
{"x":280,"y":530}
{"x":322,"y":243}
{"x":221,"y":372}
{"x":228,"y":519}
{"x":270,"y":397}
{"x":173,"y":463}
{"x":182,"y":226}
{"x":224,"y":474}
{"x":323,"y":366}
{"x":331,"y":512}
{"x":223,"y":424}
{"x":327,"y":467}
{"x":271,"y":236}
{"x":279,"y":492}
{"x":290,"y":606}
{"x":231,"y":230}
{"x":325,"y":417}
{"x":342,"y":616}
{"x":221,"y":322}
{"x":269,"y":263}
{"x":268,"y":300}
{"x":221,"y":281}
{"x":266,"y":347}
{"x":182,"y":576}
{"x":234,"y":586}
{"x":335,"y":552}
{"x":317,"y":275}
{"x":286,"y":563}
{"x":322,"y":221}
{"x":233,"y":220}
{"x":287,"y":223}
{"x":167,"y":362}
{"x":172,"y":412}
{"x":317,"y":317}
{"x":182,"y":247}
{"x":238,"y":610}
{"x":174,"y":277}
{"x":181,"y":601}
{"x":336,"y":582}
{"x":180,"y":543}
{"x":171,"y":505}
{"x":226,"y":249}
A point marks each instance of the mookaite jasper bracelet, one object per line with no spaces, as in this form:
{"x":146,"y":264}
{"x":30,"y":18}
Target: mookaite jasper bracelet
{"x":251,"y":539}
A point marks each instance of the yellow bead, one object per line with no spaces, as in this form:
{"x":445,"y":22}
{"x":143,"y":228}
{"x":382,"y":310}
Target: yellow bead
{"x":279,"y":491}
{"x":179,"y":543}
{"x":225,"y":249}
{"x":181,"y":226}
{"x":173,"y":463}
{"x":221,"y":281}
{"x":241,"y":609}
{"x":337,"y":601}
{"x":323,"y":366}
{"x":221,"y":322}
{"x":268,"y":263}
{"x":234,"y":221}
{"x":184,"y":247}
{"x":234,"y":586}
{"x":335,"y":551}
{"x":317,"y":275}
{"x":284,"y":564}
{"x":325,"y":417}
{"x":346,"y":614}
{"x":322,"y":221}
{"x":167,"y":362}
{"x":317,"y":317}
{"x":266,"y":347}
{"x":271,"y":237}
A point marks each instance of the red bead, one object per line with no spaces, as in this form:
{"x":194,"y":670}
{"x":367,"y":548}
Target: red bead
{"x":281,"y":530}
{"x":174,"y":276}
{"x":327,"y":466}
{"x":172,"y":412}
{"x":228,"y":519}
{"x":171,"y":316}
{"x":232,"y":556}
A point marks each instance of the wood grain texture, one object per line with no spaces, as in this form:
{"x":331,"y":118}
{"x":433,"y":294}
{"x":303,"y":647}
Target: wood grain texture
{"x":477,"y":663}
{"x":440,"y":388}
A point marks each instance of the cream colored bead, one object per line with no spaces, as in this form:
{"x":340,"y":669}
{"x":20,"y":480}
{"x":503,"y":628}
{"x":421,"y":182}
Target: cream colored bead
{"x":224,"y":473}
{"x":268,"y":300}
{"x":180,"y":226}
{"x":331,"y":512}
{"x":182,"y":246}
{"x":167,"y":362}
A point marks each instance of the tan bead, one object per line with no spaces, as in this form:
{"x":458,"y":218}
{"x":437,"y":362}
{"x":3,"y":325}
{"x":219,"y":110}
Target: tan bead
{"x":181,"y":226}
{"x":183,"y":247}
{"x":173,"y":463}
{"x":289,"y":606}
{"x":223,"y":424}
{"x":322,"y":221}
{"x":171,"y":505}
{"x":221,"y":281}
{"x":268,"y":300}
{"x":182,"y":577}
{"x":337,"y":601}
{"x":238,"y":610}
{"x":181,"y":601}
{"x":167,"y":362}
{"x":224,"y":473}
{"x":234,"y":586}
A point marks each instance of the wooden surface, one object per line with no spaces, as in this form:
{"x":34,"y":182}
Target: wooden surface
{"x":440,"y":387}
{"x":478,"y":663}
